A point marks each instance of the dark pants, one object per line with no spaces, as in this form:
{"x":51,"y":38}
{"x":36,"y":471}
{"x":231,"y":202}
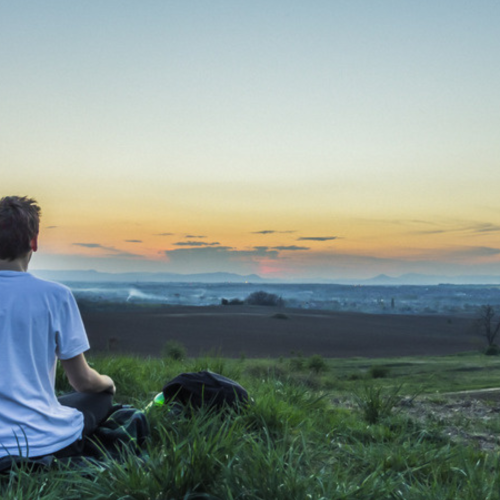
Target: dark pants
{"x":95,"y":408}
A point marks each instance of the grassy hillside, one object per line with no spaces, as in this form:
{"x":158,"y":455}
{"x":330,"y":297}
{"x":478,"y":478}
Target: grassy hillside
{"x":318,"y":429}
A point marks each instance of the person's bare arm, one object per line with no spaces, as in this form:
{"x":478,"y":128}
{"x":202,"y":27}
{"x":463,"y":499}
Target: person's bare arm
{"x":83,"y":378}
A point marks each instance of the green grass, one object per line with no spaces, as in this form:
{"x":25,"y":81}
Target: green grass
{"x":297,"y":441}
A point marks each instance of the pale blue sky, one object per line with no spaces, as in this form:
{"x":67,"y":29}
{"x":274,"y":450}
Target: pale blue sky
{"x":224,"y":118}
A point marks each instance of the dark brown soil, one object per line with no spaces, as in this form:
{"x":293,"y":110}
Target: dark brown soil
{"x":233,"y":331}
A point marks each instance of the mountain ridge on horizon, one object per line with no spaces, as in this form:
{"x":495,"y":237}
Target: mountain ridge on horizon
{"x":98,"y":276}
{"x":92,"y":275}
{"x":431,"y":279}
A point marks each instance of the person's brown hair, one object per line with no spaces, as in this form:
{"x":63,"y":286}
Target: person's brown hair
{"x":19,"y":224}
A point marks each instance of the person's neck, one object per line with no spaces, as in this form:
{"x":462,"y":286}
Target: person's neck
{"x":20,"y":264}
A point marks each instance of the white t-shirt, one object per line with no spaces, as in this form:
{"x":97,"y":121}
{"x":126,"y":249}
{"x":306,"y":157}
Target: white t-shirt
{"x":39,"y":322}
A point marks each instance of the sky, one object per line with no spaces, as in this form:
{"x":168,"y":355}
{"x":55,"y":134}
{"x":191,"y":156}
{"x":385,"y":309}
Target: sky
{"x":301,"y":140}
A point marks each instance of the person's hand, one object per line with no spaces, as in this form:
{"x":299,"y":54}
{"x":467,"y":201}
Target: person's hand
{"x":111,"y":387}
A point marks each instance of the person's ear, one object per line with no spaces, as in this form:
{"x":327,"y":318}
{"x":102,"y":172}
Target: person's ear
{"x":34,"y":243}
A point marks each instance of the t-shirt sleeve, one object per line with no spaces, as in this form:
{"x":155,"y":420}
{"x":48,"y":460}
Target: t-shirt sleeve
{"x":71,"y":337}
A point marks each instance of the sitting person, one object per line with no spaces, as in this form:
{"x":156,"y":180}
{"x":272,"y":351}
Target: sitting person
{"x":39,"y":324}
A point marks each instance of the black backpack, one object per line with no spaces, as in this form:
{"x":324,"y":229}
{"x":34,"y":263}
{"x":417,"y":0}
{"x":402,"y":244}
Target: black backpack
{"x":205,"y":390}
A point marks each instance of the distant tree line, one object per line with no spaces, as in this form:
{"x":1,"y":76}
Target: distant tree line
{"x":259,"y":298}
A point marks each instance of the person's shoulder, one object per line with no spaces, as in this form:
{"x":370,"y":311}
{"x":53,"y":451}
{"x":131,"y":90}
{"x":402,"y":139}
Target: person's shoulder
{"x":49,"y":286}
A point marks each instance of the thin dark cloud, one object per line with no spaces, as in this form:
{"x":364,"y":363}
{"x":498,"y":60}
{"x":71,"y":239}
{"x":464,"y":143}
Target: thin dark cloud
{"x":458,"y":254}
{"x":221,"y":251}
{"x":405,"y":222}
{"x":51,"y":227}
{"x":453,"y":226}
{"x":485,"y":227}
{"x":133,"y":241}
{"x":89,"y":245}
{"x":317,"y":238}
{"x":196,"y":244}
{"x":431,"y":231}
{"x":290,"y":248}
{"x":114,"y":251}
{"x":272,"y":231}
{"x":164,"y":234}
{"x":471,"y":252}
{"x":125,"y":255}
{"x":194,"y":236}
{"x":259,"y":251}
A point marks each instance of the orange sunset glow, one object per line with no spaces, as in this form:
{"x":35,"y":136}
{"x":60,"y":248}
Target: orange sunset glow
{"x":292,"y":140}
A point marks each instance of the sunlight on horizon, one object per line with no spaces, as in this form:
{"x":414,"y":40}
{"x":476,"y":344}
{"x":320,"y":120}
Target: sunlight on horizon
{"x":297,"y":140}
